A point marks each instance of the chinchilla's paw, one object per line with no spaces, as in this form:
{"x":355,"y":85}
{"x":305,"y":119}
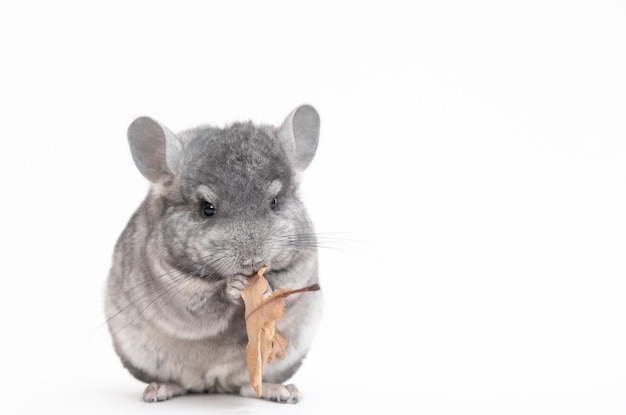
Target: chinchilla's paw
{"x":292,"y":396}
{"x":159,"y":392}
{"x":274,"y":392}
{"x":234,"y":285}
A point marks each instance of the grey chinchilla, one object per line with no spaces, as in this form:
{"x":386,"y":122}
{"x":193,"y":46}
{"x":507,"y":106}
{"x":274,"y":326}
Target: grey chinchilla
{"x":222,"y":203}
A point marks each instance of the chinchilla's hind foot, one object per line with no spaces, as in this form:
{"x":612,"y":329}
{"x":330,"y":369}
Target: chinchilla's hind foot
{"x":159,"y":392}
{"x":274,"y":392}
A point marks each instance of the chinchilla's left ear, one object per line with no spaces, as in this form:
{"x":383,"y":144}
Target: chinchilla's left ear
{"x":299,"y":135}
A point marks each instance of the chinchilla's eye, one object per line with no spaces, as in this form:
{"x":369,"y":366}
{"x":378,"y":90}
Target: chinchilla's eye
{"x":274,"y":203}
{"x":208,"y":209}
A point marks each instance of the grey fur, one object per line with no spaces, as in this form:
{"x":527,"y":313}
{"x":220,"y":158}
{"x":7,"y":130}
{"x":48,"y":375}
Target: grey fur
{"x":172,"y":301}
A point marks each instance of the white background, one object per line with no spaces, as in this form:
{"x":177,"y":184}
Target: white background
{"x":470,"y":188}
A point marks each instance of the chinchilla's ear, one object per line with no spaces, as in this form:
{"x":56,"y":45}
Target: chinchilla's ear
{"x":299,"y":135}
{"x":155,"y":149}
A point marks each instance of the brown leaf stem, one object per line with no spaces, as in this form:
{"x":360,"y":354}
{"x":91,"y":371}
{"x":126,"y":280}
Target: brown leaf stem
{"x":313,"y":287}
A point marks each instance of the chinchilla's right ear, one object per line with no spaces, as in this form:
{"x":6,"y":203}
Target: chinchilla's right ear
{"x":155,"y":149}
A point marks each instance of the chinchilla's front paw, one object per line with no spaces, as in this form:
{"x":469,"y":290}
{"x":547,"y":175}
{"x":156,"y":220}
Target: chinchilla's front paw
{"x":234,"y":285}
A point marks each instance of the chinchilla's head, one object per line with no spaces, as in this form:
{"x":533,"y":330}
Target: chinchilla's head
{"x":224,"y":200}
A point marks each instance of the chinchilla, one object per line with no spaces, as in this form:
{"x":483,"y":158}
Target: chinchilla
{"x":222,"y":203}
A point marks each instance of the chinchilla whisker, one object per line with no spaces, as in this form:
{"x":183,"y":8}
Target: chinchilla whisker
{"x":174,"y":276}
{"x":309,"y":246}
{"x":329,"y":240}
{"x":185,"y":269}
{"x":181,"y":286}
{"x":179,"y":283}
{"x":177,"y":279}
{"x":159,"y":290}
{"x":145,"y":283}
{"x":322,"y":240}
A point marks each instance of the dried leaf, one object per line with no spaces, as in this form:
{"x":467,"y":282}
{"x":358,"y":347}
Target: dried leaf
{"x":262,"y":312}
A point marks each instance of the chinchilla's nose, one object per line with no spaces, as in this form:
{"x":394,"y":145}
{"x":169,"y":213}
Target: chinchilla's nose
{"x":252,"y":264}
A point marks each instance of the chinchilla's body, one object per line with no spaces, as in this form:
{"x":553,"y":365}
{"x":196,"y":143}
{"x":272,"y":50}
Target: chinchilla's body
{"x":222,"y":203}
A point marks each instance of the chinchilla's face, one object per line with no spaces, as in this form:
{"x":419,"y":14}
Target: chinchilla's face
{"x":226,"y":198}
{"x":233,"y":207}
